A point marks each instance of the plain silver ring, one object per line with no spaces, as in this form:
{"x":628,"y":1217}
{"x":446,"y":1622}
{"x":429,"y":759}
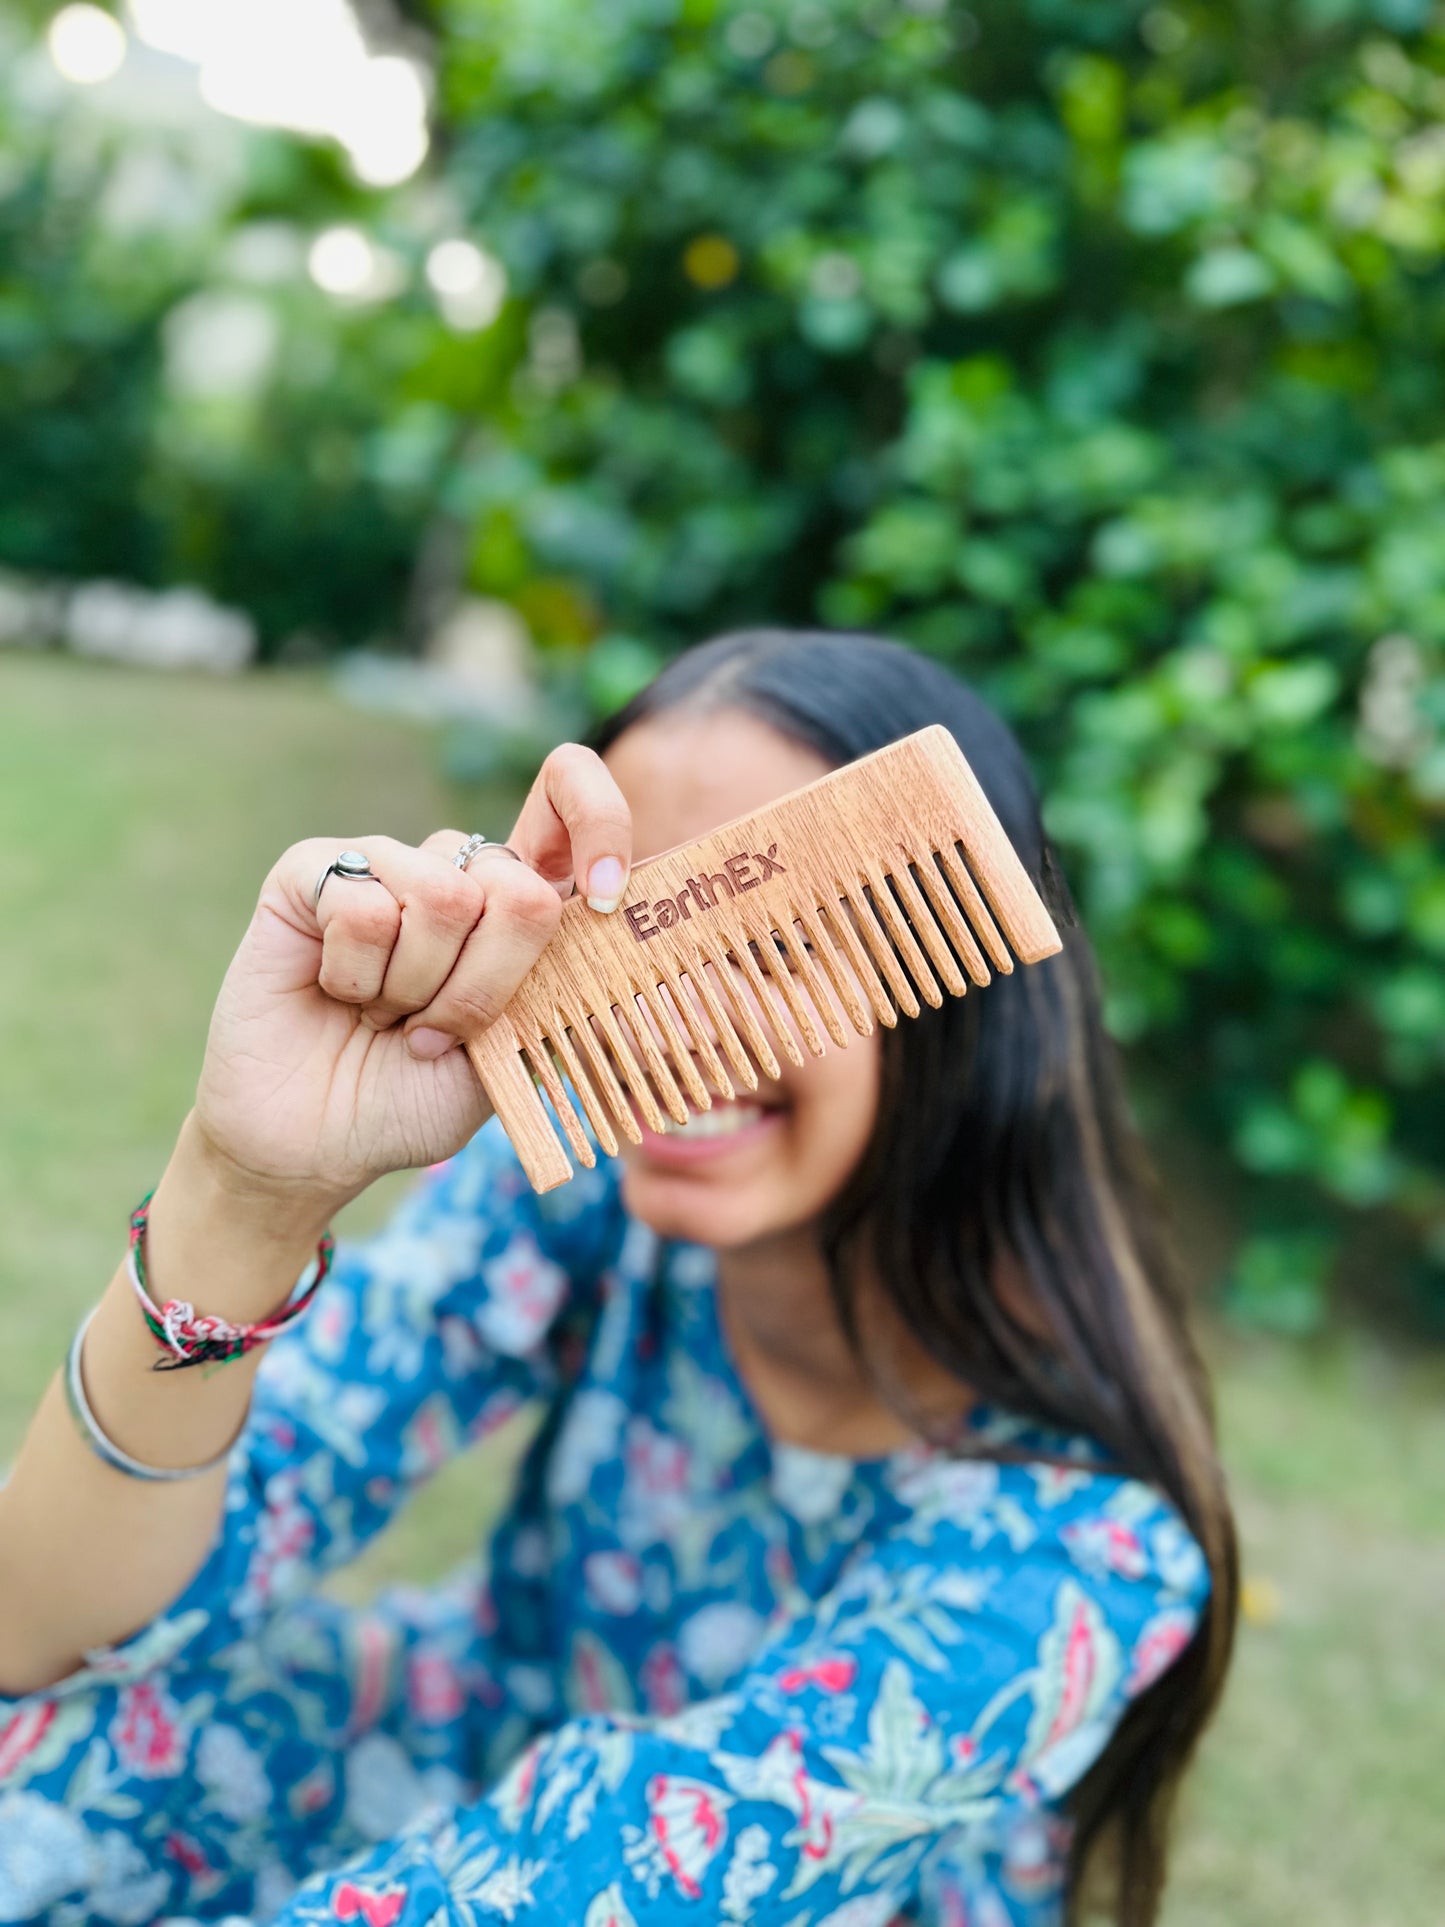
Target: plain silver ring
{"x":346,"y":863}
{"x":475,"y":843}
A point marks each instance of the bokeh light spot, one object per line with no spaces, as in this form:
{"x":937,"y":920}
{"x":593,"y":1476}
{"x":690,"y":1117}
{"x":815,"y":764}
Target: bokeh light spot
{"x":86,"y":44}
{"x":342,"y":261}
{"x":470,"y":284}
{"x":711,"y":262}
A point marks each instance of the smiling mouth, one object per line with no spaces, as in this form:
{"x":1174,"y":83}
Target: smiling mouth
{"x":730,"y":1122}
{"x":725,"y":1119}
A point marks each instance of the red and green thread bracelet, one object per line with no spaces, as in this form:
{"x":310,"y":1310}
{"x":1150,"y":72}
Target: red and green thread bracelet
{"x":187,"y":1338}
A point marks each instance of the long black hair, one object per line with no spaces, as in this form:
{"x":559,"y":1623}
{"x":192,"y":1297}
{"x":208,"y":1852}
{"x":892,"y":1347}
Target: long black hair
{"x":1004,"y":1134}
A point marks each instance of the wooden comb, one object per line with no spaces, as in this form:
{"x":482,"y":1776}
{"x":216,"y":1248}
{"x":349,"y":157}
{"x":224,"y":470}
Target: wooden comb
{"x":869,"y":883}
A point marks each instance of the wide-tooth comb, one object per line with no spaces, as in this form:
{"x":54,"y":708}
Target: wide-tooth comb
{"x":880,"y":883}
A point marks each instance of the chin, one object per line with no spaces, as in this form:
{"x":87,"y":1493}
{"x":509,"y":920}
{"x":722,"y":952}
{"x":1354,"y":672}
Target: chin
{"x":729,"y":1179}
{"x":693,"y":1212}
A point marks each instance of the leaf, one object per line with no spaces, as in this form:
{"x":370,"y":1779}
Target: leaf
{"x":904,"y":1750}
{"x":1079,"y":1665}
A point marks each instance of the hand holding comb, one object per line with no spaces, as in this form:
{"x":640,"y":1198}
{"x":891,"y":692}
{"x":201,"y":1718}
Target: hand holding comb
{"x":883,"y":880}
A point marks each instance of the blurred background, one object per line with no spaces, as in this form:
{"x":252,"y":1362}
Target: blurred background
{"x":389,"y":386}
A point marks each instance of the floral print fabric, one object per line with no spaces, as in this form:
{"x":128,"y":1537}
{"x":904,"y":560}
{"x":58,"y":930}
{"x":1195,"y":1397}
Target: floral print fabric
{"x":701,"y":1677}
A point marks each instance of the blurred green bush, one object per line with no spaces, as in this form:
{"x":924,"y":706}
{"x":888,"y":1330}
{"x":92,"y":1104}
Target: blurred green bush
{"x":1095,"y":347}
{"x":262,"y":497}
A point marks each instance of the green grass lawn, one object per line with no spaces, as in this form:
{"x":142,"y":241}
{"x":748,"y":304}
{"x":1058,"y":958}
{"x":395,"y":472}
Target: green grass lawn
{"x":138,"y":815}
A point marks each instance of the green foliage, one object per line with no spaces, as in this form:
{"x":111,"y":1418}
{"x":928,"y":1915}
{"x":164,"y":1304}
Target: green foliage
{"x":75,"y":353}
{"x":276,"y":498}
{"x":1095,"y":347}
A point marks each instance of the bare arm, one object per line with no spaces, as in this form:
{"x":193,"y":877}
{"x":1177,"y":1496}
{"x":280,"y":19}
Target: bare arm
{"x":311,"y":1089}
{"x":71,"y":1526}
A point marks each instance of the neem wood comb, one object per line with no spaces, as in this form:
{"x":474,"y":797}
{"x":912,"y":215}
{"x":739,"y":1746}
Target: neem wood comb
{"x":844,"y":901}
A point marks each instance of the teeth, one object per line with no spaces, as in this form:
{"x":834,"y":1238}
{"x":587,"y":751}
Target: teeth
{"x":723,"y":1120}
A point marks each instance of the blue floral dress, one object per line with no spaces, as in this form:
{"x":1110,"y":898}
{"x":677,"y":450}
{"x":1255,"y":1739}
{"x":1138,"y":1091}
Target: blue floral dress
{"x":701,"y":1677}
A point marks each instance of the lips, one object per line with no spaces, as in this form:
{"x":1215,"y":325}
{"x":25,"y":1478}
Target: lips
{"x":723,"y":1120}
{"x":729,"y":1126}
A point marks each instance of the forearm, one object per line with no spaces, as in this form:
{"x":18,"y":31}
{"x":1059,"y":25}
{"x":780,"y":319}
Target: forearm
{"x":88,"y":1554}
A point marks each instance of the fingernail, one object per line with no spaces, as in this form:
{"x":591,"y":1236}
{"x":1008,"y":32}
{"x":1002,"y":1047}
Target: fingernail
{"x":604,"y":883}
{"x":425,"y":1042}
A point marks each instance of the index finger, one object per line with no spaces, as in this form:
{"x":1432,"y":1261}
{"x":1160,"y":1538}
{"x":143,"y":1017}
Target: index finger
{"x":576,"y":823}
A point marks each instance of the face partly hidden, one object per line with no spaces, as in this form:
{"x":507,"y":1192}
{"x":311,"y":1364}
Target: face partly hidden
{"x":764,"y":1163}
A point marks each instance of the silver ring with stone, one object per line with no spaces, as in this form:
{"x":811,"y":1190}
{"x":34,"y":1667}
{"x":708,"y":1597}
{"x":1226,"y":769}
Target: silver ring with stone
{"x":474,"y":843}
{"x":346,"y":863}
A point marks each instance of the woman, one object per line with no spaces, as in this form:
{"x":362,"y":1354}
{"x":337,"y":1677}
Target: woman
{"x":872,"y":1561}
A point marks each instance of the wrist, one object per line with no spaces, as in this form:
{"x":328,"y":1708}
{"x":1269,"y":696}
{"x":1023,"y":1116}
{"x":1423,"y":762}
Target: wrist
{"x":226,"y":1240}
{"x":258,"y":1205}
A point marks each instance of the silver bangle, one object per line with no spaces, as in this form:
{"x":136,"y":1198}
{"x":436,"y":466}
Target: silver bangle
{"x":106,"y":1448}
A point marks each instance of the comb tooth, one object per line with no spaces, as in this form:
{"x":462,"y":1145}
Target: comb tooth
{"x":640,"y":1031}
{"x":702,"y":989}
{"x":586,"y":1034}
{"x":875,"y":935}
{"x":561,"y":1034}
{"x":776,"y":969}
{"x":748,"y":1029}
{"x":896,"y":923}
{"x":921,"y":917}
{"x":677,"y":1047}
{"x":979,"y":914}
{"x":947,"y":911}
{"x":885,"y":905}
{"x":840,"y":919}
{"x":541,"y":1060}
{"x":499,"y":1060}
{"x":634,"y":1078}
{"x":701,"y":984}
{"x":689,"y":988}
{"x":757,"y":983}
{"x":825,"y":948}
{"x":672,"y":998}
{"x":822,"y":1003}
